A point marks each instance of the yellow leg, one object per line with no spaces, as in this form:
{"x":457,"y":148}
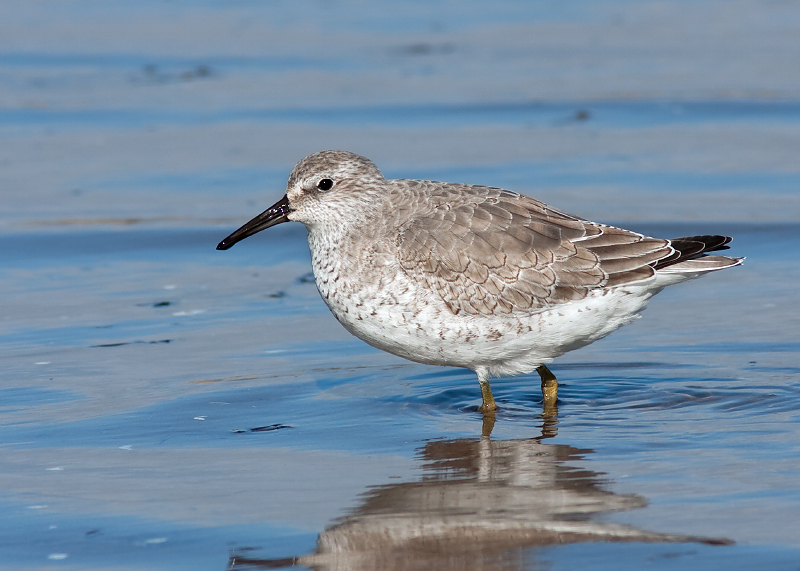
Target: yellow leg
{"x":549,"y":387}
{"x":488,"y":404}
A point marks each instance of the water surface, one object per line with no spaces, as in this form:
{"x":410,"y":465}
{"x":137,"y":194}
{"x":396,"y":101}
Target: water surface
{"x":164,"y":405}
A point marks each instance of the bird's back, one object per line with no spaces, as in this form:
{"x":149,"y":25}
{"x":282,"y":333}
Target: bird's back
{"x":488,"y":251}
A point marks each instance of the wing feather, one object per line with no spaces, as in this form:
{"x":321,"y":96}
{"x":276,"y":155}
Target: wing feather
{"x":488,"y":251}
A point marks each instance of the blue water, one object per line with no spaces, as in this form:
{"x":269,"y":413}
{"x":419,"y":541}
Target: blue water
{"x":164,"y":405}
{"x":531,"y":114}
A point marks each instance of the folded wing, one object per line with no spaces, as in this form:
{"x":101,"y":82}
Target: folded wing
{"x":490,"y":251}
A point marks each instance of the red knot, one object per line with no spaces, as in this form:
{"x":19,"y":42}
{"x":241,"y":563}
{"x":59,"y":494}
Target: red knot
{"x":471,"y":276}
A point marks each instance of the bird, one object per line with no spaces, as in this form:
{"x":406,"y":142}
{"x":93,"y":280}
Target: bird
{"x":471,"y":276}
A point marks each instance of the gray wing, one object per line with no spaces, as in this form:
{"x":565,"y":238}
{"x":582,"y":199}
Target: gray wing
{"x":490,"y":251}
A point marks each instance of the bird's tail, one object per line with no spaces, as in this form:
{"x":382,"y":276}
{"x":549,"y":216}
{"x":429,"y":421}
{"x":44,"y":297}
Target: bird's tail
{"x":690,"y":256}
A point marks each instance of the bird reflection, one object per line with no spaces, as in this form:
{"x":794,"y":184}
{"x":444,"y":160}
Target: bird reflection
{"x":478,"y":505}
{"x":549,"y":418}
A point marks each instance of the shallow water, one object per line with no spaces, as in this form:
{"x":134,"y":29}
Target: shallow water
{"x":164,"y":405}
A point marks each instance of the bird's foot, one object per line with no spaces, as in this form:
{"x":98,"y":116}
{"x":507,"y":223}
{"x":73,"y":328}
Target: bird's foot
{"x":488,"y":404}
{"x":549,"y":387}
{"x":487,"y":407}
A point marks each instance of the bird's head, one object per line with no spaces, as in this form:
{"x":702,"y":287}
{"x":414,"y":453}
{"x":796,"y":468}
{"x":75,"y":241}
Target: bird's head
{"x":324,"y":187}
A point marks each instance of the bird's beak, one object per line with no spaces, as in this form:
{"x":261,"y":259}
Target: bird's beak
{"x":273,"y":215}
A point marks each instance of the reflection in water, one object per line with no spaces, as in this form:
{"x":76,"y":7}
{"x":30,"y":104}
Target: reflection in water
{"x":478,"y":503}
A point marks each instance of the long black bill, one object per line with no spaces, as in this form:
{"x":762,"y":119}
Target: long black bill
{"x":273,"y":215}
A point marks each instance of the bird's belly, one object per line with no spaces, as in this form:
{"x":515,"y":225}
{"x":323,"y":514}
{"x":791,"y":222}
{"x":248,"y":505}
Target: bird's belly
{"x":414,"y":329}
{"x":419,"y":327}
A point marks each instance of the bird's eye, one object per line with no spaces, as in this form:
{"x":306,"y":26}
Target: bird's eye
{"x":325,"y":184}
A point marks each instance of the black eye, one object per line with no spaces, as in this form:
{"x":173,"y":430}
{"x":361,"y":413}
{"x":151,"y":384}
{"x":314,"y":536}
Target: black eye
{"x":325,"y":184}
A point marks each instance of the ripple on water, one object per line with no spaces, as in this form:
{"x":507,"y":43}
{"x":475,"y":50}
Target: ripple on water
{"x":637,"y":387}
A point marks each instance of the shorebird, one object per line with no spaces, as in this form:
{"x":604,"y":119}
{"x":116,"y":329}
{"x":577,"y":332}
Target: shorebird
{"x":471,"y":276}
